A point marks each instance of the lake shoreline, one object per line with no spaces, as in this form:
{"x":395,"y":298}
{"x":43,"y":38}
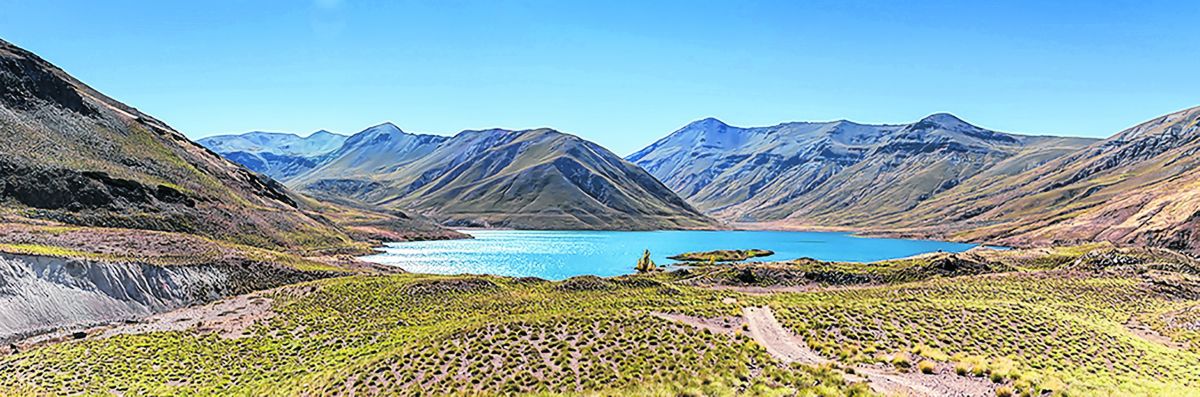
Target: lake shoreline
{"x":561,"y":254}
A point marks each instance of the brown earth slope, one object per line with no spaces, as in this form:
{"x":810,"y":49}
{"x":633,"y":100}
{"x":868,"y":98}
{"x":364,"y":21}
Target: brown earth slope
{"x":1139,"y":187}
{"x":72,"y":155}
{"x":835,"y":173}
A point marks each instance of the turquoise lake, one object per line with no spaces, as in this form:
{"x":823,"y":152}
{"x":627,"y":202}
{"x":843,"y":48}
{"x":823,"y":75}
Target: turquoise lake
{"x":557,"y":255}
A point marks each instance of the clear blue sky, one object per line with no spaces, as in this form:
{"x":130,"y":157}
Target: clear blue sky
{"x":622,"y":73}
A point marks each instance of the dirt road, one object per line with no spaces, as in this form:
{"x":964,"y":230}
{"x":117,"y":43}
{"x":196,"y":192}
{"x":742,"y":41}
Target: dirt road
{"x":778,"y":341}
{"x":787,"y":347}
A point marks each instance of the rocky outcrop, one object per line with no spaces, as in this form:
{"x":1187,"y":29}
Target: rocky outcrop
{"x":40,"y":294}
{"x":61,"y":188}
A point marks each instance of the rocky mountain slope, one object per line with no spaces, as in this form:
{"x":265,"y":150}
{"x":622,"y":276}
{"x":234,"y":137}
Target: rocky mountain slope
{"x":520,"y":179}
{"x":107,"y":213}
{"x":71,"y":154}
{"x":834,"y":173}
{"x":1139,"y":186}
{"x":277,"y":155}
{"x":379,"y":148}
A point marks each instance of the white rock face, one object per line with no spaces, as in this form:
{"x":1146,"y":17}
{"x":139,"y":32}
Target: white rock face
{"x":39,"y":294}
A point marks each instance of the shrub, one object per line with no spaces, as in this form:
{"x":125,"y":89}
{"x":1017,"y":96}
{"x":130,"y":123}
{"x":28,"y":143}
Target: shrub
{"x":979,"y":370}
{"x":932,"y":353}
{"x":1004,"y":391}
{"x":926,"y":367}
{"x":645,"y":264}
{"x":901,"y":360}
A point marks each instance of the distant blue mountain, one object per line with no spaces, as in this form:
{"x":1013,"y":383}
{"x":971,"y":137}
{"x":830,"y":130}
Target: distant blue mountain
{"x":278,"y":155}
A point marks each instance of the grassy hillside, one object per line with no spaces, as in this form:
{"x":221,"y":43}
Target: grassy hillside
{"x":1078,"y":321}
{"x":73,"y":155}
{"x":413,"y":335}
{"x":537,"y":179}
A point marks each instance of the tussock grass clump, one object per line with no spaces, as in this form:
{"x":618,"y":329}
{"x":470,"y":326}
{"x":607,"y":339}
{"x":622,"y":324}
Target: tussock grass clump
{"x":585,"y":283}
{"x":901,"y":360}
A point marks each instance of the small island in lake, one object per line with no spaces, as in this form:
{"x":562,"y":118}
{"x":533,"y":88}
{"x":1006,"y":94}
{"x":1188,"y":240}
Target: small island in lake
{"x":721,"y":255}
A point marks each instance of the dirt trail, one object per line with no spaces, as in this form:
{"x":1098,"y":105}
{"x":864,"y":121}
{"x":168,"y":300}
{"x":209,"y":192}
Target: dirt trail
{"x":779,"y":341}
{"x":787,"y":347}
{"x":1145,"y":332}
{"x":721,"y":325}
{"x":230,"y":317}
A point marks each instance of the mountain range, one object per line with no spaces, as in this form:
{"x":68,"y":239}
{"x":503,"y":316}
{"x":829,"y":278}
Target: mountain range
{"x":1138,"y":187}
{"x":941,"y":177}
{"x":277,"y":155}
{"x":937,"y":177}
{"x":836,"y":173}
{"x":532,"y":179}
{"x":73,"y":155}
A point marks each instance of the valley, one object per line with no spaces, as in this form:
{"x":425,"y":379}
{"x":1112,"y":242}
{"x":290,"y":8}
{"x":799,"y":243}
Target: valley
{"x":801,"y":259}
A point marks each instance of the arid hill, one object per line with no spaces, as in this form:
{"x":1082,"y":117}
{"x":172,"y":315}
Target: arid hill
{"x":1138,"y":187}
{"x":837,"y":173}
{"x":533,"y":179}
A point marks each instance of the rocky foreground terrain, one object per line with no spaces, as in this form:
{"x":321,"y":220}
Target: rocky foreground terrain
{"x":1123,"y":322}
